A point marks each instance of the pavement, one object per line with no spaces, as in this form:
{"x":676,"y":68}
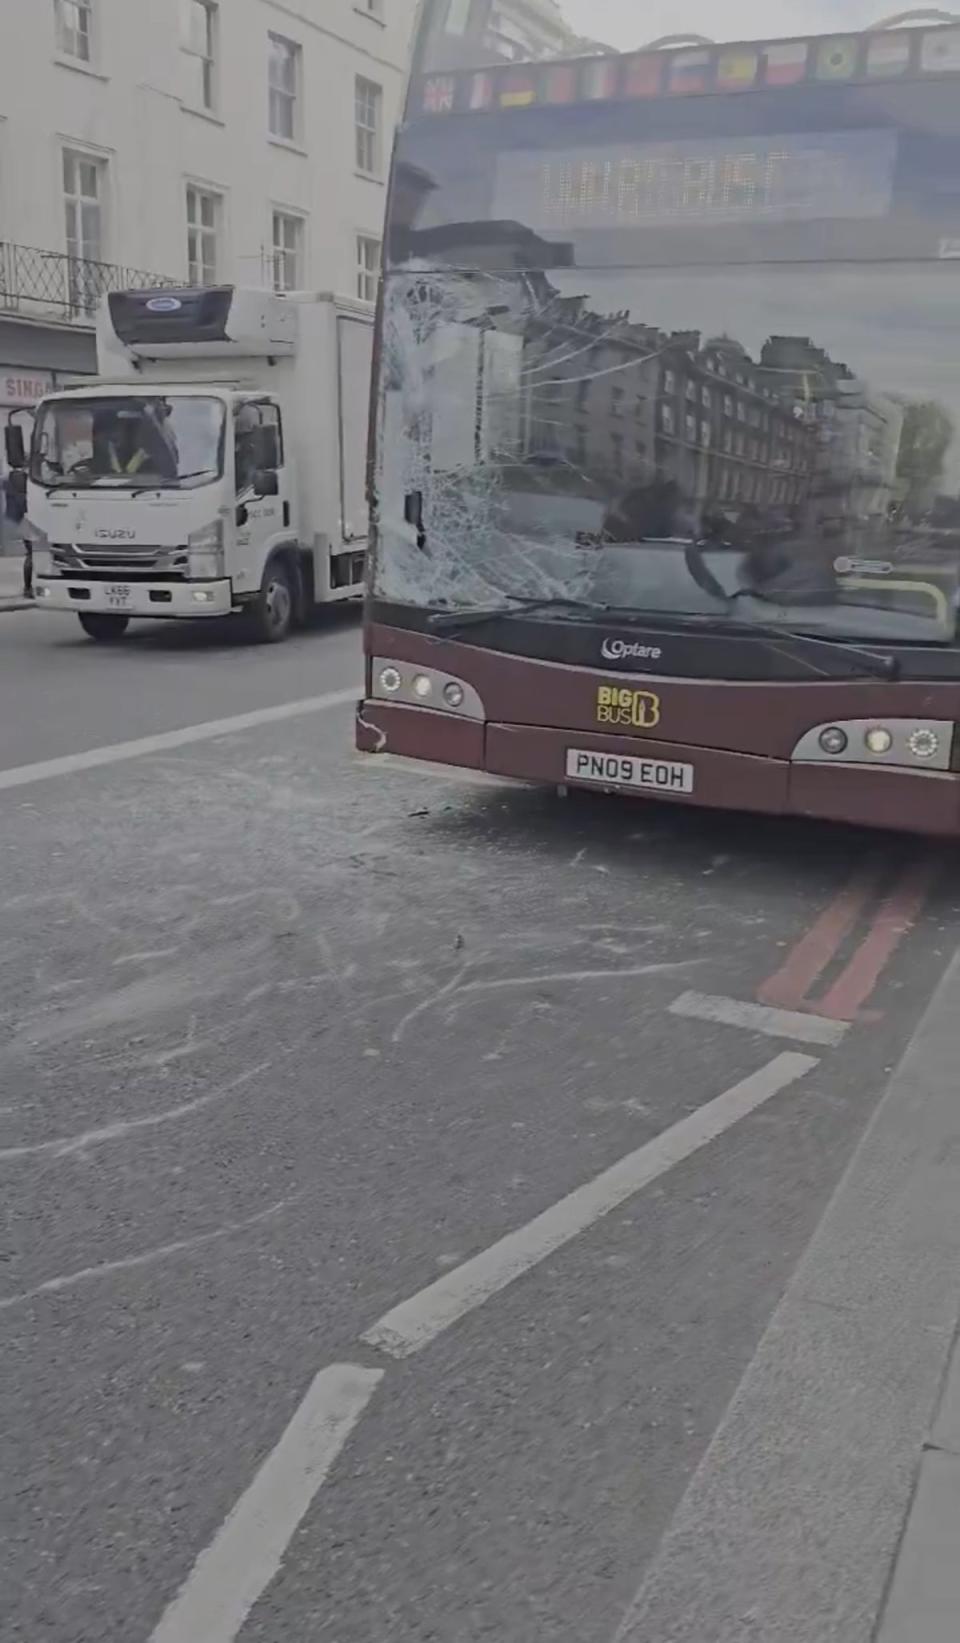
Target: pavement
{"x":442,"y":1212}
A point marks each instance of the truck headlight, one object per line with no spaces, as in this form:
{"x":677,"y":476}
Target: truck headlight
{"x":206,"y":550}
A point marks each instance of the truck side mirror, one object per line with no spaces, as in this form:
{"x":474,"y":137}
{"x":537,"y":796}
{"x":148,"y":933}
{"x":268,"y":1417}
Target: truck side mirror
{"x":15,"y":445}
{"x":243,"y":515}
{"x":266,"y":482}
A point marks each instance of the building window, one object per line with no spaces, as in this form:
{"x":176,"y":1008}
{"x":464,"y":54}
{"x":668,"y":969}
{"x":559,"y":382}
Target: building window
{"x":667,"y":419}
{"x":83,"y":191}
{"x":287,"y":252}
{"x":368,"y":100}
{"x":690,"y":423}
{"x":75,"y":29}
{"x":706,"y":398}
{"x":203,"y":234}
{"x":741,"y":411}
{"x":284,"y":77}
{"x":669,"y":382}
{"x":691,"y":391}
{"x":199,"y":44}
{"x":368,"y":267}
{"x":705,"y":433}
{"x":616,"y":401}
{"x":728,"y":441}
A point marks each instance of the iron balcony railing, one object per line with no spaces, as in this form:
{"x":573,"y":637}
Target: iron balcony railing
{"x":52,"y":283}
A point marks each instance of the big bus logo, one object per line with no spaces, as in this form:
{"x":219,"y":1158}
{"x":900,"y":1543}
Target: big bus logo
{"x":628,"y":709}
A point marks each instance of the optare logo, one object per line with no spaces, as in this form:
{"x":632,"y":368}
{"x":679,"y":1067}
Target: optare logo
{"x":164,"y":305}
{"x":619,"y":650}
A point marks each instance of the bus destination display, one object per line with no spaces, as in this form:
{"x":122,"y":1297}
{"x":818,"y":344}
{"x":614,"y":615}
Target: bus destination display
{"x":773,"y":179}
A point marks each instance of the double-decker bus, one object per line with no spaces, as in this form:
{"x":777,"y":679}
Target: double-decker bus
{"x":665,"y":465}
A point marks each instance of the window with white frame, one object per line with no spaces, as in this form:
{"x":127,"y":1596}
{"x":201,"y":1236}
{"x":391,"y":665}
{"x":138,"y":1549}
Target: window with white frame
{"x":199,"y":21}
{"x":74,"y":19}
{"x":368,"y":267}
{"x":84,"y":199}
{"x":83,"y":195}
{"x":284,"y":80}
{"x":288,"y":238}
{"x":204,"y":212}
{"x":368,"y":104}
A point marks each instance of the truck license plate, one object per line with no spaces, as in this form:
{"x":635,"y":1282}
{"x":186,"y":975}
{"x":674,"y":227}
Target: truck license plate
{"x":117,"y":594}
{"x":623,"y":770}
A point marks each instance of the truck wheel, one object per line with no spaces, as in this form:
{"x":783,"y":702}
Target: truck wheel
{"x":271,"y":617}
{"x":104,"y":627}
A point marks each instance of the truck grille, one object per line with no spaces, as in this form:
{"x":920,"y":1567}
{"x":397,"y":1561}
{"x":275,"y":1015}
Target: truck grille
{"x":74,"y":557}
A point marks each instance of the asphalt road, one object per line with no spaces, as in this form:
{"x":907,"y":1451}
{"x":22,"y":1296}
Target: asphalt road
{"x":286,"y":1041}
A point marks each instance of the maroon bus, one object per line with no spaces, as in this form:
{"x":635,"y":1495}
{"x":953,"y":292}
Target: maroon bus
{"x":665,"y":470}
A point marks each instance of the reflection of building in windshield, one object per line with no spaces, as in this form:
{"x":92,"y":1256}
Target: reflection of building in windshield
{"x":792,"y":439}
{"x":628,"y":405}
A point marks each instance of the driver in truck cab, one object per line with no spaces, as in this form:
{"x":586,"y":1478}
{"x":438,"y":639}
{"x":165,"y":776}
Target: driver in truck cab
{"x":127,"y":441}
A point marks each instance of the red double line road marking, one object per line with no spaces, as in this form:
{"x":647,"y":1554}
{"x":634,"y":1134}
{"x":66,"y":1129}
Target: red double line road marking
{"x":805,"y":964}
{"x":897,"y":914}
{"x":791,"y":986}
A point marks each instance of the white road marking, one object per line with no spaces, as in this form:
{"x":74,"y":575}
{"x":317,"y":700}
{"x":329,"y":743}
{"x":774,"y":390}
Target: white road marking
{"x":239,"y":1564}
{"x":761,"y":1018}
{"x":416,"y":1322}
{"x":118,"y":752}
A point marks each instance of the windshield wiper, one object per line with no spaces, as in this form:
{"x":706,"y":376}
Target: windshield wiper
{"x":801,"y":647}
{"x":171,"y":484}
{"x":470,"y":616}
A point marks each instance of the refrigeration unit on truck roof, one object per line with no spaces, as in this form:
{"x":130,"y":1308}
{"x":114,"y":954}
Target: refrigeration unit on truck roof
{"x":222,"y":321}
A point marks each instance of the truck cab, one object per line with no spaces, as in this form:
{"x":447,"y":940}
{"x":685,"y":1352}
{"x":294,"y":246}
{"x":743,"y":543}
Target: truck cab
{"x":209,"y":469}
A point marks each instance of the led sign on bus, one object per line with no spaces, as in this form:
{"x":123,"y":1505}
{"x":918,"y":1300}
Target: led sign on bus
{"x":792,"y":178}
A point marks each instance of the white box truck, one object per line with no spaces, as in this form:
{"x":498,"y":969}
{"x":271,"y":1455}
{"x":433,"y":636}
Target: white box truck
{"x":217,"y":464}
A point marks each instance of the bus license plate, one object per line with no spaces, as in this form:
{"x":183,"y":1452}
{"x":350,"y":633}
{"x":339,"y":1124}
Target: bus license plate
{"x":118,"y":594}
{"x":623,"y":770}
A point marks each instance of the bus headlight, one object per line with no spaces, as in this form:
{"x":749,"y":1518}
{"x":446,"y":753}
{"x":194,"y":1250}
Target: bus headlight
{"x":425,"y":687}
{"x":923,"y":743}
{"x":833,"y":740}
{"x":893,"y":743}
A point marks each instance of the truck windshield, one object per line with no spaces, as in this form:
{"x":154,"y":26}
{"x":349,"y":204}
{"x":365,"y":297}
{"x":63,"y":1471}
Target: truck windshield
{"x":672,"y":327}
{"x":128,"y":442}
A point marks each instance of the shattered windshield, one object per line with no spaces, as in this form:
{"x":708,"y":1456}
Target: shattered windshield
{"x":129,"y":441}
{"x":675,"y":352}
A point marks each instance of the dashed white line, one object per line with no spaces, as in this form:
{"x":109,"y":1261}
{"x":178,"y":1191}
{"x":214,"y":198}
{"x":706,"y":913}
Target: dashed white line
{"x":246,"y":1554}
{"x":118,"y":752}
{"x":761,"y":1018}
{"x":413,"y":1324}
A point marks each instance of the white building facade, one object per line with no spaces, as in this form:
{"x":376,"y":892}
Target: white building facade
{"x":190,"y":141}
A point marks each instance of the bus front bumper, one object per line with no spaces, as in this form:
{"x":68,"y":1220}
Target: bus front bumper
{"x":920,"y":801}
{"x":135,"y":599}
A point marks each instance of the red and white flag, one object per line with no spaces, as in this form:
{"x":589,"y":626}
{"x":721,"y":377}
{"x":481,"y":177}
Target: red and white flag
{"x":786,"y":65}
